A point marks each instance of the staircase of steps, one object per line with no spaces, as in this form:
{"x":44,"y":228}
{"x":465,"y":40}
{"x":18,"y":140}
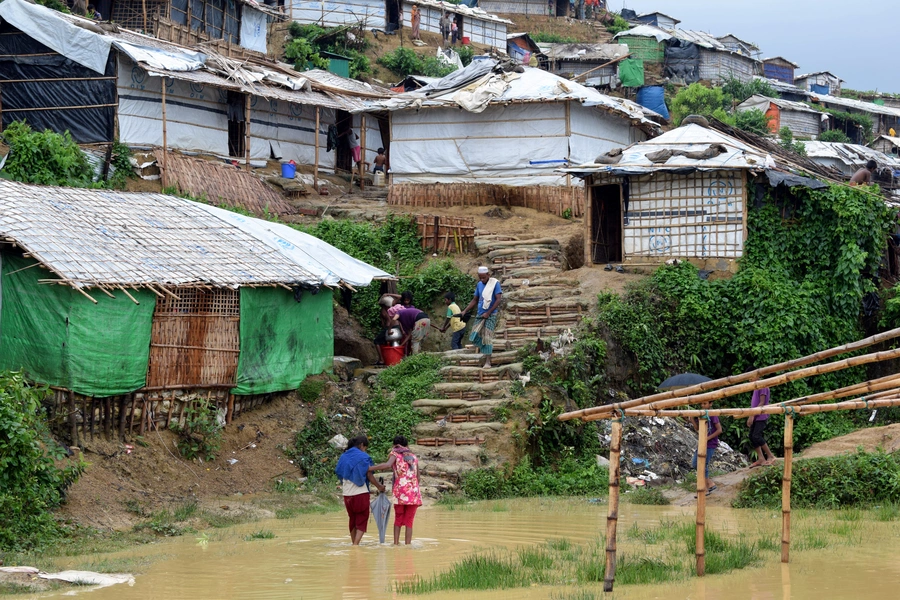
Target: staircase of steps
{"x":462,"y":431}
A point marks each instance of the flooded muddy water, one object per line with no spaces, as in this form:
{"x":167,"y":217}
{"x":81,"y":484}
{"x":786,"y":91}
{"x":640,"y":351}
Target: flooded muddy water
{"x":311,"y":556}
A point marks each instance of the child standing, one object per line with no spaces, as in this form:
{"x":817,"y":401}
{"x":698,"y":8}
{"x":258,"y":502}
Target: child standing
{"x":454,"y":321}
{"x":405,"y":488}
{"x":714,"y":430}
{"x":353,"y":469}
{"x":757,"y":425}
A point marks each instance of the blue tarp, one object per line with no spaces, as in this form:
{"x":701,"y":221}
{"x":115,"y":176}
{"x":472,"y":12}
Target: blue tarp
{"x":654,"y":98}
{"x":819,"y":89}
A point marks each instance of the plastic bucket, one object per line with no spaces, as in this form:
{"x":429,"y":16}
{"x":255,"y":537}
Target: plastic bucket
{"x":288,"y":170}
{"x":392,"y":355}
{"x":465,"y":40}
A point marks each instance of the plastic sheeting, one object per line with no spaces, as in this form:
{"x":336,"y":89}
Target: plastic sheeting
{"x":654,"y":98}
{"x":282,"y":340}
{"x":46,"y":26}
{"x":682,"y":61}
{"x":253,"y":29}
{"x":61,"y":338}
{"x":156,"y":58}
{"x":631,"y":72}
{"x":330,"y":265}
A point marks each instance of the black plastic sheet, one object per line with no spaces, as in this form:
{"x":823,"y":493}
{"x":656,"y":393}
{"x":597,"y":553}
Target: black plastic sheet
{"x":682,"y":60}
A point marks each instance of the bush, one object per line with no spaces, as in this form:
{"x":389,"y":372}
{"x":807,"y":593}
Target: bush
{"x":312,"y":452}
{"x":697,"y":99}
{"x":753,"y":120}
{"x":405,"y":62}
{"x":570,"y":477}
{"x":545,"y":37}
{"x":862,"y":479}
{"x":31,"y":483}
{"x":198,"y":429}
{"x":786,"y":139}
{"x":834,"y":135}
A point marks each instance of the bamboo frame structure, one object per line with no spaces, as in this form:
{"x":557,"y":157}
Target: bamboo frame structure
{"x":873,"y":394}
{"x":316,"y":136}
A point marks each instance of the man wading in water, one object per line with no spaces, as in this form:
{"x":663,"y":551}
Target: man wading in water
{"x":487,"y":297}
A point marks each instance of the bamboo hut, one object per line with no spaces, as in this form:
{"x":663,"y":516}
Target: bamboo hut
{"x":803,"y":121}
{"x":779,"y":68}
{"x":873,"y":394}
{"x":474,"y":23}
{"x":820,"y":82}
{"x":595,"y":65}
{"x":140,"y":296}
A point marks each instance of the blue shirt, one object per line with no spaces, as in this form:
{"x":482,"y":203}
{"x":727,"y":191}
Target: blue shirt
{"x":479,"y":288}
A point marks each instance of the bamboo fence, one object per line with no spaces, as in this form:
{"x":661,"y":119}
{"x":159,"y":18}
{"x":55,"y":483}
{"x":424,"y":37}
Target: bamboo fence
{"x":543,"y":198}
{"x":881,"y":392}
{"x":446,"y":234}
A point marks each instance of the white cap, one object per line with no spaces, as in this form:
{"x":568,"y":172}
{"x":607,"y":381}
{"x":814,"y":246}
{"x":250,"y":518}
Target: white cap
{"x":482,"y":269}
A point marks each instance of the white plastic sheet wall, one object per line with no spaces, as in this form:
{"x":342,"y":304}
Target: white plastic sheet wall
{"x":286,"y":131}
{"x":518,"y":7}
{"x":196,"y":117}
{"x":373,"y":136}
{"x":479,"y":31}
{"x":699,"y":215}
{"x":344,"y":12}
{"x":504,"y":144}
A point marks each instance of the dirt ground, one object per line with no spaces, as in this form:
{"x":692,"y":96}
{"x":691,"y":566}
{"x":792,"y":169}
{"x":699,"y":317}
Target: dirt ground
{"x":887,"y":437}
{"x":153,"y":475}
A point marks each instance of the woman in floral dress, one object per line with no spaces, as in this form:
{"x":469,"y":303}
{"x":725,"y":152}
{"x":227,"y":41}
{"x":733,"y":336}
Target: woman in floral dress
{"x":405,"y":488}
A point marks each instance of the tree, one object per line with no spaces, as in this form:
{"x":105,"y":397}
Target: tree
{"x":753,"y":120}
{"x":697,"y":99}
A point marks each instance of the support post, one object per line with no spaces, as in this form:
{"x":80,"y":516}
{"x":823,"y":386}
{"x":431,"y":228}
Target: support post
{"x":73,"y":425}
{"x":362,"y":152}
{"x":247,"y":133}
{"x":612,"y":515}
{"x":164,"y":175}
{"x":786,"y":489}
{"x":316,"y":164}
{"x":702,"y":433}
{"x":229,"y":411}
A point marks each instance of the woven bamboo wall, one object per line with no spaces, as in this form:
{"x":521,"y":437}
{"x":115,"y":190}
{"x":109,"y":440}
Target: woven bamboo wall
{"x":446,"y":234}
{"x":544,"y":198}
{"x":194,"y":341}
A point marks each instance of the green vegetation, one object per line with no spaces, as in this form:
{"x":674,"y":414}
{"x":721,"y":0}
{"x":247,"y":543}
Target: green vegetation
{"x":546,"y":37}
{"x":311,"y":450}
{"x":647,"y":495}
{"x":697,"y":99}
{"x":389,"y":411}
{"x":31,"y":482}
{"x":786,"y":140}
{"x":856,"y":126}
{"x":49,"y":158}
{"x":851,"y":480}
{"x":808,"y":261}
{"x":198,"y":430}
{"x":570,"y":477}
{"x":310,"y":40}
{"x":618,"y":24}
{"x":834,"y":135}
{"x":262,"y":534}
{"x":753,"y":120}
{"x":310,"y":389}
{"x":559,"y":561}
{"x":404,"y":62}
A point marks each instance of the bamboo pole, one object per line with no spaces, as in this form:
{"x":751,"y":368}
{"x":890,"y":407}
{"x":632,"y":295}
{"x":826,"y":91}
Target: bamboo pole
{"x":165,"y":148}
{"x":247,"y":133}
{"x":73,"y":425}
{"x":771,"y":382}
{"x":609,"y":409}
{"x":702,"y":426}
{"x":786,"y":488}
{"x":612,"y":514}
{"x":122,"y":402}
{"x":362,"y":149}
{"x":807,"y":409}
{"x":882,"y":383}
{"x":316,"y":164}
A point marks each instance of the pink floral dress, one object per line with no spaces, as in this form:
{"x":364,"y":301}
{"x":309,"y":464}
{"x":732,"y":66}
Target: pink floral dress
{"x":406,"y":477}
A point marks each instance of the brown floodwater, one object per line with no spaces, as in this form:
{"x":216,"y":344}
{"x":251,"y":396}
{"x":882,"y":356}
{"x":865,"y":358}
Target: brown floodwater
{"x":311,"y":557}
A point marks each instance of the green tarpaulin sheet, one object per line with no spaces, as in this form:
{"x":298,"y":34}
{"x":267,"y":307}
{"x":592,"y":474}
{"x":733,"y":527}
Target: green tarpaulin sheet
{"x":631,"y":72}
{"x":61,"y":338}
{"x":282,"y":340}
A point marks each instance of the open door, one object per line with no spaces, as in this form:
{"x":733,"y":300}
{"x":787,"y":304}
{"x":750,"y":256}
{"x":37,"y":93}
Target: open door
{"x":606,"y":224}
{"x":392,"y":15}
{"x":562,"y":8}
{"x":236,"y":132}
{"x":343,"y":157}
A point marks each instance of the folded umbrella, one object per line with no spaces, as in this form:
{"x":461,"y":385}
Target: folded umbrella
{"x":381,"y":510}
{"x":682,"y":380}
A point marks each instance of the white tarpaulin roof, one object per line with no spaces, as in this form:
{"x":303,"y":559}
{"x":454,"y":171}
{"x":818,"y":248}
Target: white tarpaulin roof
{"x":852,"y":155}
{"x":91,"y":238}
{"x":869,"y":107}
{"x":645,"y":31}
{"x":688,"y":138}
{"x":762,"y":103}
{"x":479,"y":85}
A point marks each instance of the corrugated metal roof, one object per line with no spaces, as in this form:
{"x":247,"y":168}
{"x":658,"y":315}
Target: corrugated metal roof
{"x":869,"y":107}
{"x":781,"y":58}
{"x":93,"y":238}
{"x":757,"y":101}
{"x":807,"y":75}
{"x":852,"y":155}
{"x":461,"y":9}
{"x":595,"y":52}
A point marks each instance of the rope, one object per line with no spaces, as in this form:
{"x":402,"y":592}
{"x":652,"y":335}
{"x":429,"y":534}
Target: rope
{"x":705,"y":416}
{"x":621,"y":418}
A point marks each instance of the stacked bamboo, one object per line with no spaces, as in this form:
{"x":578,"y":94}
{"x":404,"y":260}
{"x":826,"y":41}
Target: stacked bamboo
{"x":881,"y":392}
{"x":439,"y":441}
{"x":446,"y":234}
{"x":558,"y":200}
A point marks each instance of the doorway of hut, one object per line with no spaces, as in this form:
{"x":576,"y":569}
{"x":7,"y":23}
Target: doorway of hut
{"x":606,"y":224}
{"x":236,"y":106}
{"x":562,"y":8}
{"x":392,"y":15}
{"x":343,"y":155}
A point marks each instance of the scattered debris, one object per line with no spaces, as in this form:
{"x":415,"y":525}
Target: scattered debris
{"x":338,"y":442}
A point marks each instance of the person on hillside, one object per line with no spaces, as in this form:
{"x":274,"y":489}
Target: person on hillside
{"x":454,"y":32}
{"x":416,"y":18}
{"x":757,"y":423}
{"x":387,"y":319}
{"x":487,"y":297}
{"x":453,"y":322}
{"x":414,"y":323}
{"x":713,"y":431}
{"x":405,"y":486}
{"x":445,"y":27}
{"x":864,"y":176}
{"x":353,"y":471}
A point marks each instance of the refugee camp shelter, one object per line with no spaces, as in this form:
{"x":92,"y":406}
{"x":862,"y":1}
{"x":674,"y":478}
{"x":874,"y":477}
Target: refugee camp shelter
{"x":223,"y":23}
{"x":803,"y":121}
{"x":105,"y":293}
{"x":380,"y":14}
{"x":473,"y":23}
{"x":779,"y":68}
{"x":645,"y":42}
{"x":716,"y":62}
{"x":884,"y":118}
{"x":681,"y":195}
{"x":820,"y":82}
{"x":733,"y":43}
{"x":886,"y":145}
{"x":483,"y":126}
{"x":786,"y":91}
{"x":658,"y":19}
{"x":849,"y":158}
{"x":520,"y":7}
{"x":594,"y":65}
{"x":523,"y":49}
{"x":147,"y":92}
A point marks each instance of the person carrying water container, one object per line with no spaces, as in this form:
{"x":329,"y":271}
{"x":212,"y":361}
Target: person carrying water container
{"x":353,"y":471}
{"x":405,"y":487}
